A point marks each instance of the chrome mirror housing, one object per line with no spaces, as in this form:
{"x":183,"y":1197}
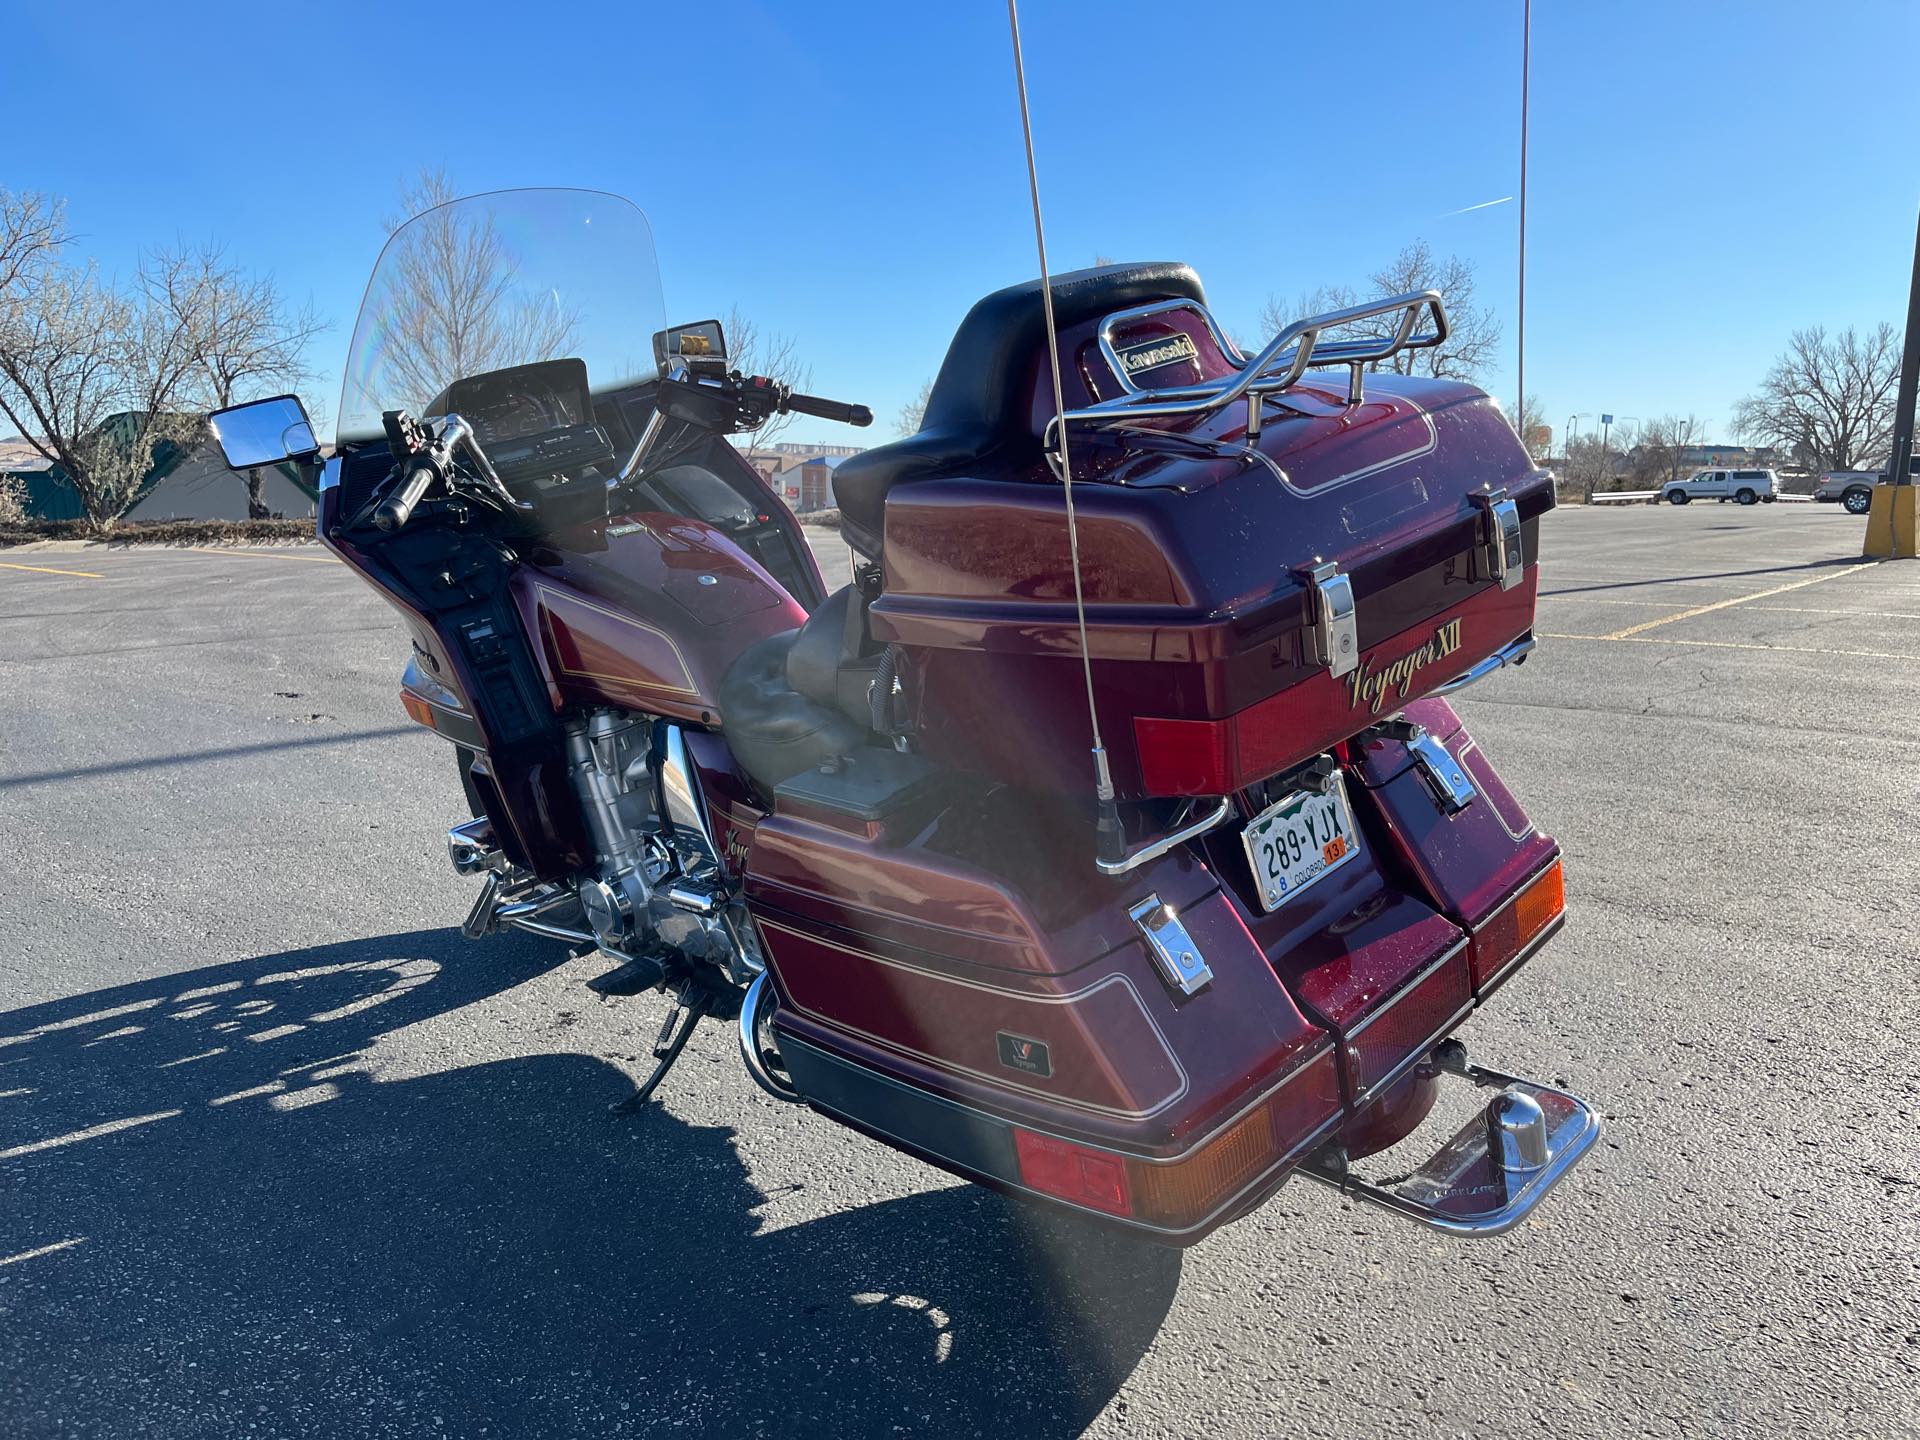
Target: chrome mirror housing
{"x":264,"y":432}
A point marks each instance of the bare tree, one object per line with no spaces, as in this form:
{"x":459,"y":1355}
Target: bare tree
{"x":90,"y":374}
{"x":752,"y":351}
{"x":1661,"y":453}
{"x":913,"y":414}
{"x":1828,"y":400}
{"x":246,"y":340}
{"x":13,"y":500}
{"x":1474,"y":332}
{"x":32,"y":233}
{"x":1277,"y":314}
{"x":1531,"y":426}
{"x":1590,"y":464}
{"x":452,"y":306}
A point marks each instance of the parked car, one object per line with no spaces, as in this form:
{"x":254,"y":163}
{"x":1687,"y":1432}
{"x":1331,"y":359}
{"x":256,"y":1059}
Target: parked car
{"x":1747,"y":487}
{"x":1852,"y":488}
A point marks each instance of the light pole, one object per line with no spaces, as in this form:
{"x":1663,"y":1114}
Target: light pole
{"x":1567,"y":434}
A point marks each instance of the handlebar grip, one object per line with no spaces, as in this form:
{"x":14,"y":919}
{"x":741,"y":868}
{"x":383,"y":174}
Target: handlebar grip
{"x":830,"y":409}
{"x":394,"y":511}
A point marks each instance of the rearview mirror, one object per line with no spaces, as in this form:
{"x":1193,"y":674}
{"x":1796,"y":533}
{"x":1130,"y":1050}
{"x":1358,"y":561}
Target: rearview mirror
{"x":264,"y":432}
{"x":701,"y":347}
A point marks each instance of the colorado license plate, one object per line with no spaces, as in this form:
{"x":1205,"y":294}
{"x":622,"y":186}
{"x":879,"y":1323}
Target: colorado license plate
{"x":1303,"y":838}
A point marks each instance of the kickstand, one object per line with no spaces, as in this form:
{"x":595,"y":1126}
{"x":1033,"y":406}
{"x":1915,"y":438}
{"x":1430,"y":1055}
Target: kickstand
{"x":666,"y":1051}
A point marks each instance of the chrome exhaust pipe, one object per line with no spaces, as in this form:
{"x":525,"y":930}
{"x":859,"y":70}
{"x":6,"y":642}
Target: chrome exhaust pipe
{"x":472,"y":848}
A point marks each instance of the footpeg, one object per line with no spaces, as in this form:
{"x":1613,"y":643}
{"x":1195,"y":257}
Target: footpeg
{"x":640,"y":974}
{"x":1489,"y":1177}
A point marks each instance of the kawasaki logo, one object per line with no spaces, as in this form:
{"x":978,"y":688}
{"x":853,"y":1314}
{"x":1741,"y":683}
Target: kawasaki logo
{"x":1364,"y":683}
{"x":1151,"y":354}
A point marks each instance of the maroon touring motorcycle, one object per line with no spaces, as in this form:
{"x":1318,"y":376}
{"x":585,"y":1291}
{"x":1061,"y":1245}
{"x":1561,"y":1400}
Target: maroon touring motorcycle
{"x":1232,"y":947}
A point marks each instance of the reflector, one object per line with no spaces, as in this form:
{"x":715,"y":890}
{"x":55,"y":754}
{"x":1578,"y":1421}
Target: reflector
{"x":1078,"y":1174}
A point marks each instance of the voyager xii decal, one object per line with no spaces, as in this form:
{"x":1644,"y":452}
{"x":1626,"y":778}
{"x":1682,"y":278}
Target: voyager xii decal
{"x":1366,"y":683}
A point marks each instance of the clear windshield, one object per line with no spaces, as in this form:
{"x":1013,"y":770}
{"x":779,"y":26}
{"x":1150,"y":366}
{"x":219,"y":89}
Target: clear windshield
{"x":499,"y":280}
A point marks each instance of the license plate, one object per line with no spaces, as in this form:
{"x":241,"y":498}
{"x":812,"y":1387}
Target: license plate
{"x":1299,"y":840}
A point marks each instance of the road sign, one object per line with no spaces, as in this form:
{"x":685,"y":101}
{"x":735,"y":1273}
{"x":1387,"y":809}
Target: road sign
{"x":1606,"y":419}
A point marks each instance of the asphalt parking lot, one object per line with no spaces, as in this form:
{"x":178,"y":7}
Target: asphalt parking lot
{"x":280,"y":1154}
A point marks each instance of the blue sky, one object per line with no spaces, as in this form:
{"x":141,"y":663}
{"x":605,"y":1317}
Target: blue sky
{"x":1705,"y":178}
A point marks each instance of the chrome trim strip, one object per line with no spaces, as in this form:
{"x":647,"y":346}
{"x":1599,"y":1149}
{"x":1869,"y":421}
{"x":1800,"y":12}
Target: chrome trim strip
{"x":1514,"y":654}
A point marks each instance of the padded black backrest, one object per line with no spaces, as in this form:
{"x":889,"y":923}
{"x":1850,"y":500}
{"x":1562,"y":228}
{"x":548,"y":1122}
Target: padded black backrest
{"x":982,"y":383}
{"x":978,"y":413}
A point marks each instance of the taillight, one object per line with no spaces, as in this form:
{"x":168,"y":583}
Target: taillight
{"x":1186,"y":757}
{"x":1518,"y":923}
{"x":1174,"y":1195}
{"x":1078,"y":1174}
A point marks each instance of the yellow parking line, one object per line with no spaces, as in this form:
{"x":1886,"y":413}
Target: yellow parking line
{"x":46,"y":570}
{"x":265,"y":555}
{"x":1731,"y":645}
{"x":1632,"y":630}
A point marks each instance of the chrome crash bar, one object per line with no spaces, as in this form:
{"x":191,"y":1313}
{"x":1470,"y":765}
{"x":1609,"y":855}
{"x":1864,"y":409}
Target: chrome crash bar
{"x":1287,"y":357}
{"x":1514,"y":654}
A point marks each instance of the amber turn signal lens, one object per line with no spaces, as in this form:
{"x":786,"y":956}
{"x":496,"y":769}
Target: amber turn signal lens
{"x":1187,"y":1191}
{"x":1536,"y":907}
{"x":1518,"y":923}
{"x":417,"y":709}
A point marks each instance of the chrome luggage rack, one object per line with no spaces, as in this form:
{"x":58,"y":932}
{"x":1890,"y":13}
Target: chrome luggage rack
{"x":1288,"y":356}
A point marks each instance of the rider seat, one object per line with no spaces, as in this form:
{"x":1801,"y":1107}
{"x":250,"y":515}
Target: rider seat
{"x":980,"y":414}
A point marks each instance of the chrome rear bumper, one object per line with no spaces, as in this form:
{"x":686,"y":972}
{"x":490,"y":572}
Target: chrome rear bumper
{"x":1488,"y":1178}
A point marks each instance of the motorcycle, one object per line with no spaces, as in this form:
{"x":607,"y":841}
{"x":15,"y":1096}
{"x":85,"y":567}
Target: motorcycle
{"x":1109,"y":840}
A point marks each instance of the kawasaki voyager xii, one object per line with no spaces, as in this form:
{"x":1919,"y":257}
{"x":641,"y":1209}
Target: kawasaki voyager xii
{"x":864,"y":825}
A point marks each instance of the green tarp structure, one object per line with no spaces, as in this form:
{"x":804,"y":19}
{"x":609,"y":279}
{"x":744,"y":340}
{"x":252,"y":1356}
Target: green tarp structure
{"x":49,"y":496}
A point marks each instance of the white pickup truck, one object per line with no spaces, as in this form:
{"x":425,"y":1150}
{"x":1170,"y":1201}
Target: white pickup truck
{"x":1746,"y":487}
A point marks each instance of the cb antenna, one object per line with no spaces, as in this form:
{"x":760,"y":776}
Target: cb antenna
{"x":1108,"y":836}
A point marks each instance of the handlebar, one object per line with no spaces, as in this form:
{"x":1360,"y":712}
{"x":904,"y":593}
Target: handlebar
{"x":828,"y":409}
{"x":394,"y":511}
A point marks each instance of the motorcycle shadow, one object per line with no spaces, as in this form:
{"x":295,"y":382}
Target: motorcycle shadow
{"x":217,"y":1218}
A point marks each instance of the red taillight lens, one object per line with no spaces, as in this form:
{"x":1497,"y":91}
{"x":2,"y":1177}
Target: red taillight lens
{"x":1174,"y":1195}
{"x":1217,"y":757}
{"x":1519,"y":922}
{"x":1077,"y":1174}
{"x":1186,"y":757}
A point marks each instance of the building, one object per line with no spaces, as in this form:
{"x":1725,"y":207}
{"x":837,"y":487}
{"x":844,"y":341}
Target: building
{"x":809,"y":484}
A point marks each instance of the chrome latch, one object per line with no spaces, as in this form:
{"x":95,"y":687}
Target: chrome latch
{"x":1335,"y":625}
{"x":1175,"y":955}
{"x":1502,"y":555}
{"x":1444,"y":775}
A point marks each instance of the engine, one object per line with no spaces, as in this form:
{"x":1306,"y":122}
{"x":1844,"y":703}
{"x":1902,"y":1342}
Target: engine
{"x":658,"y":885}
